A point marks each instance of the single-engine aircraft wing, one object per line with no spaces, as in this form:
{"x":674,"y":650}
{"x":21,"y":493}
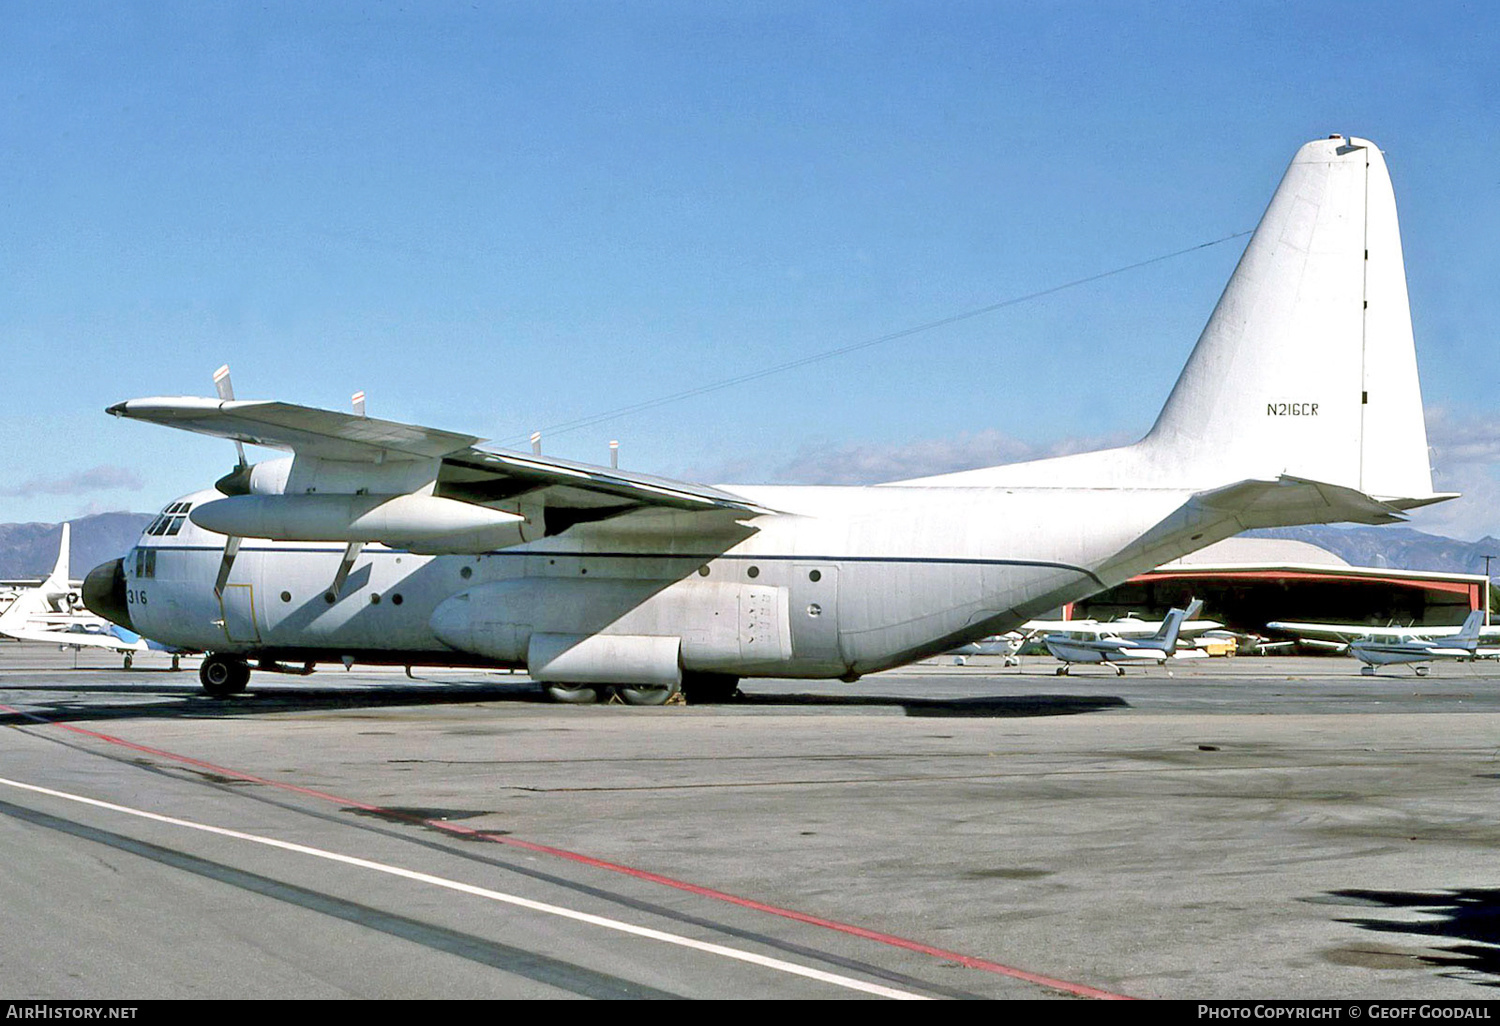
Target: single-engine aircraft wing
{"x":467,"y":473}
{"x":1342,"y":634}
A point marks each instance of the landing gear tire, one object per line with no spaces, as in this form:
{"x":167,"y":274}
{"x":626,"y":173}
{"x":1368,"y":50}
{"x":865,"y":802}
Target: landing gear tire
{"x":1421,"y":671}
{"x":709,"y":688}
{"x":572,"y":694}
{"x":223,"y":675}
{"x":1062,"y":671}
{"x":1119,"y":671}
{"x":631,"y":695}
{"x":1367,"y":671}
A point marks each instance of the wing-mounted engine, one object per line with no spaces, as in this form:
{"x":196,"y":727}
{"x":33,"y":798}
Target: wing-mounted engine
{"x":420,"y":522}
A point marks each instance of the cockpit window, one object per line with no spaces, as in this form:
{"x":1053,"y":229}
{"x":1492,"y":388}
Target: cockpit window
{"x":169,"y":521}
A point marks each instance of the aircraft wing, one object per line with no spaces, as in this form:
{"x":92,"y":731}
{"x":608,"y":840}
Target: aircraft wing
{"x":466,"y":473}
{"x":1342,"y":633}
{"x":1347,"y":632}
{"x":28,"y":631}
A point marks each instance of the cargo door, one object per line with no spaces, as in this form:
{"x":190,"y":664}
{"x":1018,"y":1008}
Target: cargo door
{"x":238,"y":607}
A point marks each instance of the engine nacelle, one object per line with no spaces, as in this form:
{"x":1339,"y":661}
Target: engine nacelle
{"x":267,"y":477}
{"x":604,"y":659}
{"x":424,"y":524}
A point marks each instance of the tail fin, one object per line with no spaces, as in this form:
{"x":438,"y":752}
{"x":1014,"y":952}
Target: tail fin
{"x":1171,"y":625}
{"x":1470,"y":630}
{"x":1307,"y":366}
{"x":57,"y":581}
{"x":1306,"y":369}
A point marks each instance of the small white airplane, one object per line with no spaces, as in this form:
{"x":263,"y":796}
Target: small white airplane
{"x":1129,"y":626}
{"x":1009,"y":645}
{"x":384,"y":542}
{"x":1420,"y":648}
{"x":53,"y":612}
{"x":1107,"y":648}
{"x":1338,"y":637}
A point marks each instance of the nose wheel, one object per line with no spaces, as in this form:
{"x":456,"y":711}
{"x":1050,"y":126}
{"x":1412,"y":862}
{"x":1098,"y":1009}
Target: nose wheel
{"x":223,"y":675}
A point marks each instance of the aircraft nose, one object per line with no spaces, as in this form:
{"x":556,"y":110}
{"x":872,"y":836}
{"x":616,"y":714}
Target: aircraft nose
{"x":104,"y":593}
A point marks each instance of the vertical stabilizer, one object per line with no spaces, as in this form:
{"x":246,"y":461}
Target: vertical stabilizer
{"x":1171,"y":624}
{"x":1307,"y":366}
{"x":1469,"y":633}
{"x":57,"y":581}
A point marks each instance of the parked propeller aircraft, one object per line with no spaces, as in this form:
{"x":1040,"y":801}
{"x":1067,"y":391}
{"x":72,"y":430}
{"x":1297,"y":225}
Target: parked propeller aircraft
{"x":1338,"y":637}
{"x":388,"y":542}
{"x":53,"y":612}
{"x":1010,"y":643}
{"x":1007,"y":646}
{"x":1089,"y":647}
{"x":1416,"y":648}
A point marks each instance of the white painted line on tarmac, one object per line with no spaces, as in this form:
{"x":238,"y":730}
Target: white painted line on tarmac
{"x":483,"y":892}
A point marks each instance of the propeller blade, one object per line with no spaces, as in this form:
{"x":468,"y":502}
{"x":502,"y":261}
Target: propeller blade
{"x":231,"y":549}
{"x":351,"y":553}
{"x":225,"y":388}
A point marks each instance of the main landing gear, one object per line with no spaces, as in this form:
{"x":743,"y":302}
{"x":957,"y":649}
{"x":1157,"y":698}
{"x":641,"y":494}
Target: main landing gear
{"x":630,"y":694}
{"x":223,"y":675}
{"x":1063,"y":670}
{"x":696,"y":688}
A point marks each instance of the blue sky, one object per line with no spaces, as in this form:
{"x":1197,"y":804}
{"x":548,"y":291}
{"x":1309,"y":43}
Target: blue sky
{"x":497,"y":218}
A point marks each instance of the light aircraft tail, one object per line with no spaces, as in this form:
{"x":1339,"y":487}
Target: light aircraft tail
{"x":1469,"y":633}
{"x":1306,"y":370}
{"x":1171,"y":624}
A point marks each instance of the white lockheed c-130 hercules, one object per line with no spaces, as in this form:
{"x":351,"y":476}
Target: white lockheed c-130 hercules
{"x":385,"y":542}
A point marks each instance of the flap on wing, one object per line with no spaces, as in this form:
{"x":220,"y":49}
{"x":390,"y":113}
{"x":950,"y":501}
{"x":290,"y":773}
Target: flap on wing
{"x":492,"y":476}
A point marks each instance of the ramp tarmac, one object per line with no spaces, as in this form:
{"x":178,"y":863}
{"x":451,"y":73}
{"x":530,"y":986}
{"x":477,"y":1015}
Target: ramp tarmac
{"x":1276,"y":827}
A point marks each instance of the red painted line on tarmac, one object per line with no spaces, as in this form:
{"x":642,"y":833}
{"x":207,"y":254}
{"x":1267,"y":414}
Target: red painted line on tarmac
{"x":891,"y":940}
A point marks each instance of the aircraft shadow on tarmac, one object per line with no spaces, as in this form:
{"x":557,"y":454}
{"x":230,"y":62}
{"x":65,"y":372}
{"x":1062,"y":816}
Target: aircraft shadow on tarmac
{"x":998,"y":706}
{"x":154,"y":700}
{"x":1468,"y":915}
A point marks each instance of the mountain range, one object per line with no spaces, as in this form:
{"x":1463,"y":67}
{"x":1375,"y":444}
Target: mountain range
{"x":30,"y":550}
{"x":1395,"y":548}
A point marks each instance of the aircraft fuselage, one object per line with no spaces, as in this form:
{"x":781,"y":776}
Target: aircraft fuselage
{"x":848,"y":581}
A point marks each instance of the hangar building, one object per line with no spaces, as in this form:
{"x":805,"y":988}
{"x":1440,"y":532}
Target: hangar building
{"x":1247,"y":582}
